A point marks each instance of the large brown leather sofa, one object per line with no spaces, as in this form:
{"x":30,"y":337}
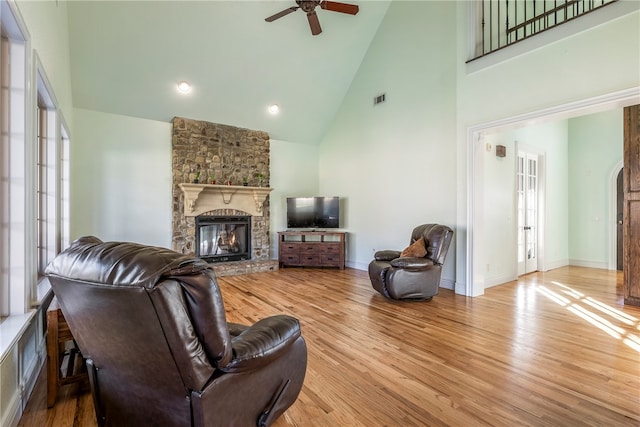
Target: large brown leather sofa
{"x":152,"y":326}
{"x":413,"y":276}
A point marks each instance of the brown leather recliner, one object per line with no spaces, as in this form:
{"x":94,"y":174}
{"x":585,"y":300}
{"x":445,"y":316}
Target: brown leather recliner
{"x":412,"y":277}
{"x":152,"y":326}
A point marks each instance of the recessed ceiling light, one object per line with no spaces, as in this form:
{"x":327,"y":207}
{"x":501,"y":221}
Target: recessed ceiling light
{"x":184,"y":86}
{"x":274,"y":109}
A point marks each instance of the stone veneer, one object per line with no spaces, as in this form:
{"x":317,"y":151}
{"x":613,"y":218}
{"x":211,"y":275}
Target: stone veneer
{"x":230,"y":154}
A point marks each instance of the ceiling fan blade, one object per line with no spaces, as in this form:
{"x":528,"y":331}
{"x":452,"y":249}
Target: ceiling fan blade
{"x":281,"y":14}
{"x":314,"y":23}
{"x":351,"y":9}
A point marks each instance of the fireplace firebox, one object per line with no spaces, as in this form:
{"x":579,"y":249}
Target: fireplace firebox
{"x":223,"y":238}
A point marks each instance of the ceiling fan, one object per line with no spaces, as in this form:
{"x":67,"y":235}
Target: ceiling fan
{"x":310,"y":8}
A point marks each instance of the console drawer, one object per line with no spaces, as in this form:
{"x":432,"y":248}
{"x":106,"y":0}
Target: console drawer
{"x":330,"y":260}
{"x":330,"y":248}
{"x":309,"y":259}
{"x":309,"y":248}
{"x":292,"y":259}
{"x":290,"y":247}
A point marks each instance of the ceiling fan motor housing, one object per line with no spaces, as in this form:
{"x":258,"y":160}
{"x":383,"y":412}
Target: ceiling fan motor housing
{"x":307,"y":6}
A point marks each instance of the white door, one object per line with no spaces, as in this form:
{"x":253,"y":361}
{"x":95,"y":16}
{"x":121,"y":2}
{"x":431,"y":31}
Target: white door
{"x":527,"y":199}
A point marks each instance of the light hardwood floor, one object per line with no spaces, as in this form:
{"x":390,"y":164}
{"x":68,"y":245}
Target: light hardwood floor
{"x":552,"y":349}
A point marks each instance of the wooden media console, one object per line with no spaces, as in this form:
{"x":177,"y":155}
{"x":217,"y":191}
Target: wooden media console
{"x":311,"y":248}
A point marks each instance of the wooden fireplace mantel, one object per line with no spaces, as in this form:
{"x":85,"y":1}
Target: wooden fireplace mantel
{"x":200,"y":198}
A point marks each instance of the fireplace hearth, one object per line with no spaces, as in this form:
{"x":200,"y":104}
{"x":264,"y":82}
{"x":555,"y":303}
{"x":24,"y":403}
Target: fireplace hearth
{"x":223,"y":238}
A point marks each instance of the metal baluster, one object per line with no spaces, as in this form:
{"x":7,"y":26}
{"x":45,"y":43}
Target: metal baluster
{"x":506,"y":23}
{"x":498,"y":25}
{"x":483,"y":39}
{"x":515,"y":12}
{"x":524,"y":28}
{"x":490,"y":26}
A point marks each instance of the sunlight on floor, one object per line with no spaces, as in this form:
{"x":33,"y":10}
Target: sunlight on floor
{"x":577,"y":302}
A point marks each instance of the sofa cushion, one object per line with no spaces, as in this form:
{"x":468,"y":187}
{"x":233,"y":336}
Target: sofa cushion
{"x":415,"y":250}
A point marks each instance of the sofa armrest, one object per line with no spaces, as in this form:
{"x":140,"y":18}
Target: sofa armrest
{"x":412,"y":263}
{"x":386,"y":255}
{"x":262,"y":342}
{"x":236,"y":329}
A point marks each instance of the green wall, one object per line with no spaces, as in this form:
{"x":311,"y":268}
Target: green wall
{"x":123,"y":186}
{"x":394,"y":163}
{"x":595,"y":156}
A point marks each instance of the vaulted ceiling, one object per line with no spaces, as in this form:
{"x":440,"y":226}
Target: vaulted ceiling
{"x":128,"y":56}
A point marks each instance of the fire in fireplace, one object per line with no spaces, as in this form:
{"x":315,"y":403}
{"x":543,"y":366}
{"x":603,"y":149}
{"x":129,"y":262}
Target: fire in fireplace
{"x":223,"y":238}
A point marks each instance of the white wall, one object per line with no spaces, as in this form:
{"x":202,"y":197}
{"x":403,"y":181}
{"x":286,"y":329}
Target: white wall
{"x":595,"y":149}
{"x":48,"y":27}
{"x":294,"y":172}
{"x":495,"y":249}
{"x":552,"y":140}
{"x":496,"y":220}
{"x":121,"y":178}
{"x":393,"y":164}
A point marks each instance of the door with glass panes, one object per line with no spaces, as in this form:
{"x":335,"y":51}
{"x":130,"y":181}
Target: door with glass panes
{"x":527,"y":202}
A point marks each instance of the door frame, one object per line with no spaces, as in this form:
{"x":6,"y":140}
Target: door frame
{"x":609,"y":101}
{"x":613,"y":208}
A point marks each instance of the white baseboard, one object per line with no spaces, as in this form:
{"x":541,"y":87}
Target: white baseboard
{"x":555,"y":264}
{"x":498,"y":280}
{"x":589,"y":264}
{"x":14,"y":412}
{"x":364,"y":266}
{"x":448,"y":284}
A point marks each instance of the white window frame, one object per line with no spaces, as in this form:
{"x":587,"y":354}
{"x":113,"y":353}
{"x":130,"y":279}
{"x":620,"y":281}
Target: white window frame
{"x":64,"y":180}
{"x":47,"y":176}
{"x":51,"y":174}
{"x":25,"y":88}
{"x":15,"y":294}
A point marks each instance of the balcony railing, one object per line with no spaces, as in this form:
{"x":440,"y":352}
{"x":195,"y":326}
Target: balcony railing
{"x":501,"y":23}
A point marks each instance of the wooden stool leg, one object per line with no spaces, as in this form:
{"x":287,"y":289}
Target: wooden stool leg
{"x":52,"y":357}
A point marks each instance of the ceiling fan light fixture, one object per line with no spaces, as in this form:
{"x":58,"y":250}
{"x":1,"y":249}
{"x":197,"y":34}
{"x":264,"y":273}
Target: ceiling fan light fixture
{"x":273,"y":109}
{"x":184,"y":87}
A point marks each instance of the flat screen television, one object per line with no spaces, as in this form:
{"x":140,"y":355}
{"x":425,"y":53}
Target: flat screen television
{"x":313,"y":212}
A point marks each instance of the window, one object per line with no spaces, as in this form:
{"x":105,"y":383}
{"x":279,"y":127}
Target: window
{"x":52,"y":171}
{"x":65,"y":206}
{"x":47,"y":164}
{"x":4,"y":173}
{"x":34,"y":171}
{"x":14,"y":296}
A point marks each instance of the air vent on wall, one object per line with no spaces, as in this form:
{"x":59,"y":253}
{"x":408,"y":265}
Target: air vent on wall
{"x":378,"y":99}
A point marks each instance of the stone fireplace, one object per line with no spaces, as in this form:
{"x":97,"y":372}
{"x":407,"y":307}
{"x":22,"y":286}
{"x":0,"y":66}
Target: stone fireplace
{"x":221,"y":159}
